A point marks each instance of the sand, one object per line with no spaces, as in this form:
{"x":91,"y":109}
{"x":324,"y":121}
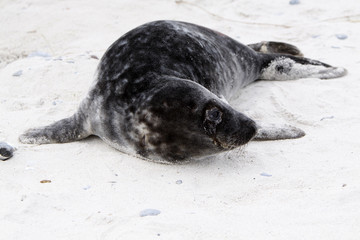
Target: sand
{"x":293,"y":189}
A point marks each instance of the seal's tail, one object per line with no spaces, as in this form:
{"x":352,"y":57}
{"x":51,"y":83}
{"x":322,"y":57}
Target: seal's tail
{"x":289,"y":67}
{"x":66,"y":130}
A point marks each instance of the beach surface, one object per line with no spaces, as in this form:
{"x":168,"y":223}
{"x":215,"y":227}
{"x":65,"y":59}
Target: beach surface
{"x":307,"y":188}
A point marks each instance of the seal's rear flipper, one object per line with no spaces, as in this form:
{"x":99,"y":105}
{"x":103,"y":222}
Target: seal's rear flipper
{"x":66,"y":130}
{"x":276,"y":47}
{"x":287,"y":67}
{"x":272,"y":132}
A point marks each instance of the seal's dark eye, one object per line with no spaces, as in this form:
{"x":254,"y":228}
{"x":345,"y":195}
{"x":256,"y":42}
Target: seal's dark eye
{"x":214,"y":115}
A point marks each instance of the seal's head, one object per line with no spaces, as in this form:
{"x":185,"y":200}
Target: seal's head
{"x":183,"y":120}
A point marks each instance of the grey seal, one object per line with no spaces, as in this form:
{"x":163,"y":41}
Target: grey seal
{"x":160,"y":93}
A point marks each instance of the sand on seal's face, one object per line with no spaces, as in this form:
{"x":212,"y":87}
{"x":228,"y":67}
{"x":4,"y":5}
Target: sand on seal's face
{"x":306,"y":188}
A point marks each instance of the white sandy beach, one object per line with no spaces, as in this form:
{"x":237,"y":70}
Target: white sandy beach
{"x":307,"y":188}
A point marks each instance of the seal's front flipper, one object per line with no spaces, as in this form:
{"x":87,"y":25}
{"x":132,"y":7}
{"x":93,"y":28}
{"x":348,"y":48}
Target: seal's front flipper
{"x":66,"y":130}
{"x":287,"y":67}
{"x":276,"y":47}
{"x":272,"y":132}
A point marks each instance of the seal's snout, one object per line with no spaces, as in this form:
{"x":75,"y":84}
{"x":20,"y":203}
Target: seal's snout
{"x":236,"y":130}
{"x":247,"y":130}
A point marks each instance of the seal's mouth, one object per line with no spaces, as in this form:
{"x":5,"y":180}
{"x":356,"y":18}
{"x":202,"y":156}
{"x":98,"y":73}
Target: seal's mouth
{"x":224,"y":146}
{"x":234,"y":142}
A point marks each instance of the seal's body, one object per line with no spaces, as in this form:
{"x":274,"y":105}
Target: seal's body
{"x":160,"y":93}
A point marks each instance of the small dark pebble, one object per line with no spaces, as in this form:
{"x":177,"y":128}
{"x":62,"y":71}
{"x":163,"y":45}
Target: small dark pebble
{"x":45,"y":181}
{"x":57,"y":101}
{"x":18,"y":73}
{"x":265,"y":174}
{"x":149,"y":212}
{"x":94,"y":57}
{"x":344,"y":185}
{"x":325,"y":118}
{"x":294,"y":2}
{"x":23,"y":197}
{"x":6,"y":151}
{"x":179,"y":182}
{"x":39,"y":54}
{"x":341,"y":36}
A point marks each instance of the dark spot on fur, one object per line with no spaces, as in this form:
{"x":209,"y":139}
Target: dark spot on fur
{"x":279,"y":68}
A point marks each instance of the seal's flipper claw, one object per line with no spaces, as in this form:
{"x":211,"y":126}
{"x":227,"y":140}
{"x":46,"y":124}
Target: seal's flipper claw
{"x":276,"y":47}
{"x":273,"y":132}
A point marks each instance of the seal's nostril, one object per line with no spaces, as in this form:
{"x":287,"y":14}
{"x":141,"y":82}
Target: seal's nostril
{"x":251,"y":130}
{"x":250,"y":133}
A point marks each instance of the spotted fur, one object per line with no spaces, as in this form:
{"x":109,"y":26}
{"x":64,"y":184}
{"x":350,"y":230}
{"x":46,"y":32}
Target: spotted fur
{"x":161,"y":93}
